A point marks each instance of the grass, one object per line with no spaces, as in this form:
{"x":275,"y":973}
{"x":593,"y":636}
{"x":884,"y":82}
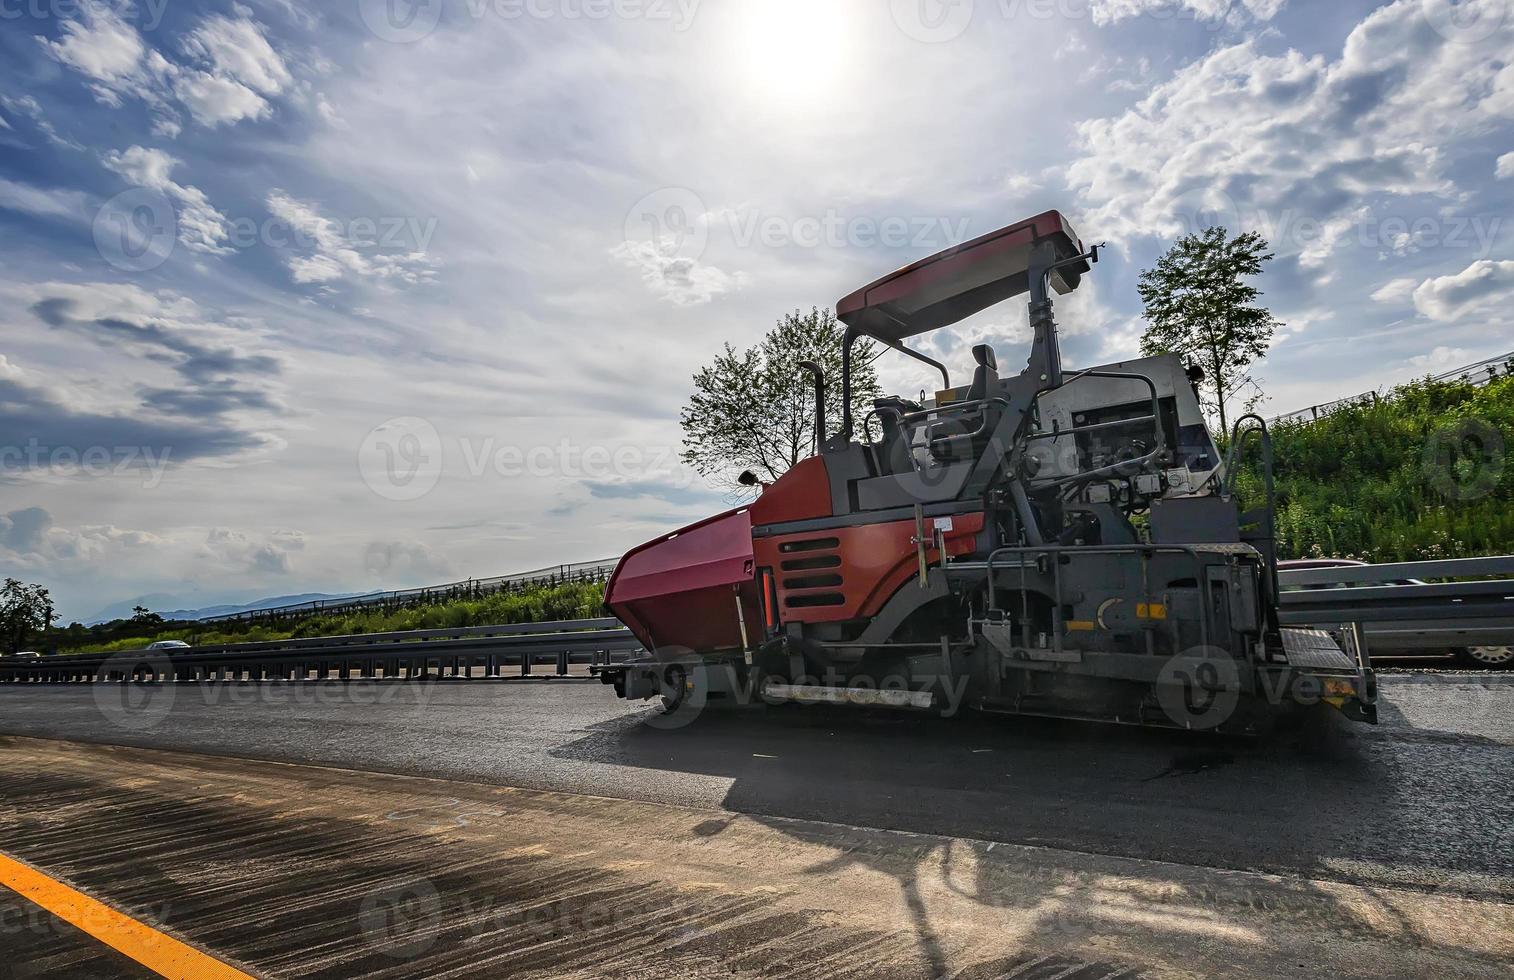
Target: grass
{"x":1425,"y":473}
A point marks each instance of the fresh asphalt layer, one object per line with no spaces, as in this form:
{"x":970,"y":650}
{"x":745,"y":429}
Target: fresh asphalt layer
{"x":1423,"y":801}
{"x":261,"y":869}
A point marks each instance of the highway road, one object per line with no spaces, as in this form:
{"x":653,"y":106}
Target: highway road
{"x":1333,"y":848}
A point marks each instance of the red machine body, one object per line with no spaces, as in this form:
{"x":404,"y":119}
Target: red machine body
{"x":681,"y":589}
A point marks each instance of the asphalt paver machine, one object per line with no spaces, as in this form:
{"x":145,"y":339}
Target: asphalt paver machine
{"x":1054,"y":542}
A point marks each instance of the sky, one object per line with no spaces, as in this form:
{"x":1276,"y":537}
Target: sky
{"x":372,"y":293}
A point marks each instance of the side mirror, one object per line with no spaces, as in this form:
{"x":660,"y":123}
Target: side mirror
{"x":748,"y":479}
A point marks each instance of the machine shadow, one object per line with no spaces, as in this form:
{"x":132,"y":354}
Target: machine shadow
{"x":1288,"y":804}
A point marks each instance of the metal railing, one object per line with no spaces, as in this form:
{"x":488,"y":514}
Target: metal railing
{"x":1394,"y":601}
{"x":1479,"y":374}
{"x":473,"y":652}
{"x":595,"y":571}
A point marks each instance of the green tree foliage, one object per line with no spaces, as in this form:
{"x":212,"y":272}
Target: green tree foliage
{"x":141,"y":616}
{"x":754,"y":409}
{"x":1425,"y":472}
{"x":1199,"y":305}
{"x":25,"y":611}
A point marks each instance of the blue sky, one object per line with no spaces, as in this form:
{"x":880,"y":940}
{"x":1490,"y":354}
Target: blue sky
{"x":354,"y":294}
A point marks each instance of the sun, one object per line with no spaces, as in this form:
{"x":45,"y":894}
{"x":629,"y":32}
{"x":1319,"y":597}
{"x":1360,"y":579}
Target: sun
{"x":793,"y":53}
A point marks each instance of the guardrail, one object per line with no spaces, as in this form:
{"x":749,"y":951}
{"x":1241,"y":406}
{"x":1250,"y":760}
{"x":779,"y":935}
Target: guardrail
{"x":1381,"y":600}
{"x":1392,"y":603}
{"x":474,"y":652}
{"x":473,"y":588}
{"x":1479,"y":374}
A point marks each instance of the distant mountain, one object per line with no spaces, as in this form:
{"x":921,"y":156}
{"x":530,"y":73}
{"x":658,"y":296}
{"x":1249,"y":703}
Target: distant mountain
{"x":156,"y":603}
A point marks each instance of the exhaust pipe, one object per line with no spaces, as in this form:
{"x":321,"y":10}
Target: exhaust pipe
{"x":819,"y":373}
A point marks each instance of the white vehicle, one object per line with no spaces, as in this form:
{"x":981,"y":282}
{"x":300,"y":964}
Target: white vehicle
{"x":168,"y":645}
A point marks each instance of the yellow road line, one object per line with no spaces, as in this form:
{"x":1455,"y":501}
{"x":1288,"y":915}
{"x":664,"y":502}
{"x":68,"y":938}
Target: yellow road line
{"x":161,"y":954}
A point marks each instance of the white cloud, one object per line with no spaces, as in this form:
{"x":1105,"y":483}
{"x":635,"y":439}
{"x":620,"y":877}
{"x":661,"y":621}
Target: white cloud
{"x":1019,"y":184}
{"x":1293,"y":144}
{"x":214,"y":99}
{"x":1395,"y":291}
{"x":231,"y":72}
{"x":1479,"y":286}
{"x":238,"y":551}
{"x":1505,"y":166}
{"x":17,"y":196}
{"x":1440,"y":359}
{"x":401,"y":564}
{"x":102,"y":46}
{"x":238,"y":49}
{"x":1229,"y":11}
{"x":239,"y":68}
{"x":679,"y":279}
{"x":31,"y":107}
{"x":201,"y":227}
{"x":334,"y":253}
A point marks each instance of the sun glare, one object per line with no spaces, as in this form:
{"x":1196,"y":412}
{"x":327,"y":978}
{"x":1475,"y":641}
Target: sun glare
{"x":793,"y":52}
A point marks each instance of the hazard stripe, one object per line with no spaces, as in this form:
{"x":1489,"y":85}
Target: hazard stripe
{"x":161,"y":954}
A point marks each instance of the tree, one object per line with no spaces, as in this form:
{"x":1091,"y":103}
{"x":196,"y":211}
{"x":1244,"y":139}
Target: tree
{"x":24,"y":610}
{"x":1198,"y":306}
{"x":142,"y":616}
{"x":755,"y":409}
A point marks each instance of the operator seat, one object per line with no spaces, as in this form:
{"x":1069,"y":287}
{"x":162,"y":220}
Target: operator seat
{"x":964,"y":435}
{"x":986,"y":373}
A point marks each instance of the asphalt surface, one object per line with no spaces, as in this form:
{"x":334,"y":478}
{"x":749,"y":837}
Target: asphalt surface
{"x":287,"y":871}
{"x":1423,"y":801}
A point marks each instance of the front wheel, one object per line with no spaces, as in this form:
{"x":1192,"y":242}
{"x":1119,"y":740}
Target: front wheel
{"x":1486,"y":658}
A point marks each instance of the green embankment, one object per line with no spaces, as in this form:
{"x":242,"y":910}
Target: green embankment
{"x":1426,"y":472}
{"x":576,"y":600}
